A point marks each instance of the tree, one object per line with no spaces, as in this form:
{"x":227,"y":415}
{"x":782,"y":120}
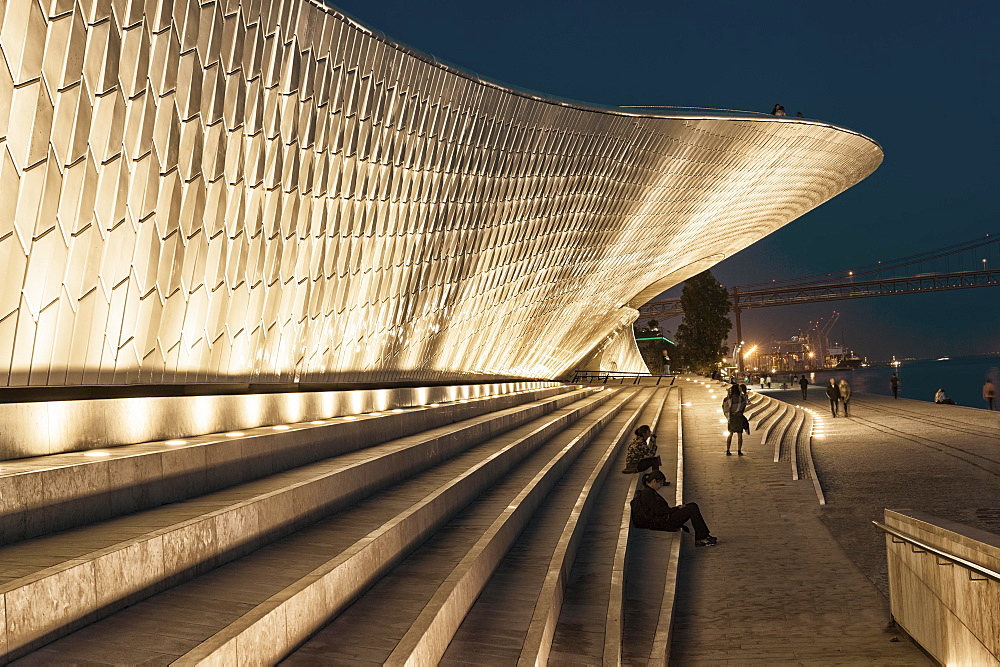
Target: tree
{"x":706,"y":324}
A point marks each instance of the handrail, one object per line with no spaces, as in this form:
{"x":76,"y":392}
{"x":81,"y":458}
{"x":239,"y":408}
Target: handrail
{"x":958,"y":560}
{"x":594,"y":376}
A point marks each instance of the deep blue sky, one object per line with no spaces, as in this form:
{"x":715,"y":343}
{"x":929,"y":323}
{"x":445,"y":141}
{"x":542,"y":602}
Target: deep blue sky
{"x":919,"y":77}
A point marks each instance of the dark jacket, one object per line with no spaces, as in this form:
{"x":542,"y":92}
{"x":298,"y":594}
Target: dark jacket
{"x":649,"y":509}
{"x":804,"y":382}
{"x":832,"y":392}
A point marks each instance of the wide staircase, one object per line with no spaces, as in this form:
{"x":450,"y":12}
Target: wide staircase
{"x":490,"y":530}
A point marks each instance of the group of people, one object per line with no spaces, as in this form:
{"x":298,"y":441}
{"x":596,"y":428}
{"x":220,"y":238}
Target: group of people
{"x":649,"y":509}
{"x":839,"y":394}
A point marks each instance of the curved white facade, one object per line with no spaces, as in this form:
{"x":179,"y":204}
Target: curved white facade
{"x":226,"y":192}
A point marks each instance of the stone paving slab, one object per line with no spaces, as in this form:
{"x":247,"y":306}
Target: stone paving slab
{"x":778,"y":588}
{"x":901,"y":453}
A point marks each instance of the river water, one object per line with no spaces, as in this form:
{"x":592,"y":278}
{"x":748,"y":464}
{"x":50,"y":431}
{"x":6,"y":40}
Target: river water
{"x":961,"y":378}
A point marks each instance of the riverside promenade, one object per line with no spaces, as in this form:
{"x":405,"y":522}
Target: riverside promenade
{"x":779,"y":587}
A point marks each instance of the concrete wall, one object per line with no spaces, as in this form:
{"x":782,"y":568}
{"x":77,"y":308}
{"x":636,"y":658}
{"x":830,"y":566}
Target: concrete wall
{"x":52,"y":427}
{"x":952,"y":613}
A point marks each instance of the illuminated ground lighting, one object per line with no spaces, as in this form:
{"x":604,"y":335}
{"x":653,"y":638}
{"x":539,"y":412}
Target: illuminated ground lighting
{"x":726,"y":433}
{"x":350,"y":418}
{"x":280,"y":427}
{"x":317,"y":421}
{"x":235,"y":434}
{"x":373,"y":414}
{"x":175,"y":442}
{"x":434,"y":405}
{"x":723,"y":420}
{"x":97,"y":454}
{"x":690,"y":404}
{"x":717,"y":409}
{"x":398,"y":410}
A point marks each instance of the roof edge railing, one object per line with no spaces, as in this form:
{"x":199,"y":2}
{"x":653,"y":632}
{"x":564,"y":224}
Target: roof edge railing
{"x":957,"y":560}
{"x":604,"y":377}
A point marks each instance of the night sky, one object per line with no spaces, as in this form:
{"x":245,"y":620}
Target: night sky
{"x":919,"y":77}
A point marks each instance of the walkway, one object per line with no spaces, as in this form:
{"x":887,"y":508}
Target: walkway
{"x":942,"y":459}
{"x":778,"y":588}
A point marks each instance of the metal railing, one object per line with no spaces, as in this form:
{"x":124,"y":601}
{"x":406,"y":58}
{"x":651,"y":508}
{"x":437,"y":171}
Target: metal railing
{"x":952,"y":558}
{"x":605,"y":377}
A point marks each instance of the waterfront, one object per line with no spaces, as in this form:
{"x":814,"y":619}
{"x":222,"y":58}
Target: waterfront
{"x":961,"y":378}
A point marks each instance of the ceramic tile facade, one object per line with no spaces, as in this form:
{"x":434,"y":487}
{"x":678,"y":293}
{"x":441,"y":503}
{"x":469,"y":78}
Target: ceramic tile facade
{"x":268,"y":192}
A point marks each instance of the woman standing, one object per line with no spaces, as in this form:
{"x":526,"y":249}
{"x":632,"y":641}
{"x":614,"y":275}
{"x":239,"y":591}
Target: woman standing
{"x":733,"y":406}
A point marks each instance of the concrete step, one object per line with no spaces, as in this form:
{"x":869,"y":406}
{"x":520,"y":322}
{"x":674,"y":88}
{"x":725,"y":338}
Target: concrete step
{"x":538,"y":564}
{"x":647,"y":586}
{"x":61,"y":582}
{"x":586,"y":596}
{"x":45,"y":494}
{"x":770,"y":418}
{"x":420,"y":604}
{"x":783,"y":435}
{"x":263,"y":603}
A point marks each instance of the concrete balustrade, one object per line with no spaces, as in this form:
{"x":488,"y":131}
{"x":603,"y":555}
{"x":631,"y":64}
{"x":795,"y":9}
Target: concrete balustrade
{"x":45,"y":494}
{"x":174,"y":543}
{"x":952,"y":612}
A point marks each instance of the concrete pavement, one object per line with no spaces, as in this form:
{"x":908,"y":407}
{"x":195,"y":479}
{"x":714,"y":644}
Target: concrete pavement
{"x":778,"y":588}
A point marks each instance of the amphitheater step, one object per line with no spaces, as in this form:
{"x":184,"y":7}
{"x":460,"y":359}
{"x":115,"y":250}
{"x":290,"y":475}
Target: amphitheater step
{"x":589,"y":628}
{"x":420,"y":603}
{"x":44,"y":494}
{"x":524,"y":596}
{"x":339,"y":556}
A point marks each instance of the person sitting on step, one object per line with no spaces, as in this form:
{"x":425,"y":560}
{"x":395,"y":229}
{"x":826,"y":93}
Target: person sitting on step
{"x":650,"y":510}
{"x":641,"y":452}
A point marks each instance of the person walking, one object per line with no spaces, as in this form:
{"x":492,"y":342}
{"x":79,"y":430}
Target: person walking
{"x":733,"y":406}
{"x":894,"y":385}
{"x":641,"y":453}
{"x":650,"y":510}
{"x":804,"y":383}
{"x":845,"y":396}
{"x":989,"y":392}
{"x":834,"y":395}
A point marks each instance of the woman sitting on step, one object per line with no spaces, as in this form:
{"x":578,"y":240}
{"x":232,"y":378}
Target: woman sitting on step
{"x":641,"y":452}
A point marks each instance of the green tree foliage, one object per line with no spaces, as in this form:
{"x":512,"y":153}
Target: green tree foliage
{"x":706,"y":324}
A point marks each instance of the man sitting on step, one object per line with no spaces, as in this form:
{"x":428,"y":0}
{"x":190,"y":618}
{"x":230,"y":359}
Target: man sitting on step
{"x":650,"y":510}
